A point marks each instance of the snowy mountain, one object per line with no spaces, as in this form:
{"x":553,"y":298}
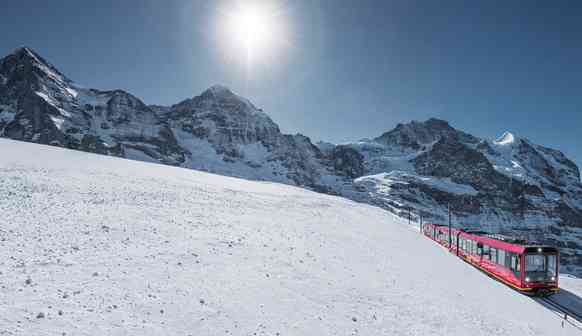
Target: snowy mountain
{"x":40,"y":104}
{"x":217,"y":131}
{"x":96,"y":245}
{"x":510,"y":185}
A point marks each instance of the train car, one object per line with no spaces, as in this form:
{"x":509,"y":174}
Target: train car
{"x":529,"y":268}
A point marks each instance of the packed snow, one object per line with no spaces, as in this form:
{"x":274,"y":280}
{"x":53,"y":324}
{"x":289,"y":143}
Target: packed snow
{"x":96,"y":245}
{"x":385,"y":181}
{"x":255,"y":164}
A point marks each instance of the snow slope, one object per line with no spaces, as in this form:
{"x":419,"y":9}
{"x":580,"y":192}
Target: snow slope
{"x":97,"y":245}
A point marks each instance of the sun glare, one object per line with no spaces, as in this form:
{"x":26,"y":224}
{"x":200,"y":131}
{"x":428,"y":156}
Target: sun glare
{"x":250,"y":26}
{"x":253,"y":32}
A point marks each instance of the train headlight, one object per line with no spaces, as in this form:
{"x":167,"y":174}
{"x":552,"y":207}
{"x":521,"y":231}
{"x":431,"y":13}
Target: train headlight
{"x":539,"y":249}
{"x":526,"y":279}
{"x":553,"y":278}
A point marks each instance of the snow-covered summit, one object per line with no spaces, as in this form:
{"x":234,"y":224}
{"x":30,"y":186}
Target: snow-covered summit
{"x":219,"y":90}
{"x":24,"y":56}
{"x":227,"y":99}
{"x":506,"y":139}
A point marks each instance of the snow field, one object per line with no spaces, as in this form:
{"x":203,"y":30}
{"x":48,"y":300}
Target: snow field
{"x":95,"y":245}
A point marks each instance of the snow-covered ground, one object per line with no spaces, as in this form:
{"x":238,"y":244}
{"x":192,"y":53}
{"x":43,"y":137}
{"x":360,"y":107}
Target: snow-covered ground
{"x":96,"y":245}
{"x":384,"y":182}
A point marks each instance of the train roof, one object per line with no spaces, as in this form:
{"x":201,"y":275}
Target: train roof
{"x":504,"y":242}
{"x":507,"y":246}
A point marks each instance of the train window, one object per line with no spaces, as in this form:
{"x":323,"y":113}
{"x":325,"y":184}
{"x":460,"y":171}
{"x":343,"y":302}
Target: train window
{"x":535,"y":262}
{"x":493,"y":254}
{"x":540,"y":267}
{"x":501,"y":257}
{"x":552,"y":269}
{"x":552,"y":265}
{"x":515,"y":265}
{"x":518,"y":267}
{"x":486,"y":252}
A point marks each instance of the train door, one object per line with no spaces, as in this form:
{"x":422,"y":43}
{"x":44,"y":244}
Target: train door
{"x":521,"y":261}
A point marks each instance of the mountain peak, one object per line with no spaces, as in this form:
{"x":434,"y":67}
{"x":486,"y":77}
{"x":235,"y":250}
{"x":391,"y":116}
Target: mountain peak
{"x":435,"y":122}
{"x":217,"y":88}
{"x":221,"y":93}
{"x":218,"y":91}
{"x":26,"y":55}
{"x":507,"y":138}
{"x":416,"y":133}
{"x":24,"y":50}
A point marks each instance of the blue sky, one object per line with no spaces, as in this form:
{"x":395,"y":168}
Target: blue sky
{"x":353,"y":69}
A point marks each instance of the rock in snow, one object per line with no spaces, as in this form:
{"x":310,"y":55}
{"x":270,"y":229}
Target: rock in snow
{"x":509,"y":186}
{"x":256,"y":258}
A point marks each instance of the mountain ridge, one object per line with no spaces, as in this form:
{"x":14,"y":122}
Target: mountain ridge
{"x":416,"y":169}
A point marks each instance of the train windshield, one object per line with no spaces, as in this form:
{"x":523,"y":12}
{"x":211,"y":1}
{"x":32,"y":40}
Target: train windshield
{"x":540,"y":267}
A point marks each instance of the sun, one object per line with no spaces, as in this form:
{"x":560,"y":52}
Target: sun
{"x":250,"y":26}
{"x":253,"y":32}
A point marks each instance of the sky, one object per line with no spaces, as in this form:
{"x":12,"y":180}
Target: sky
{"x":340,"y":70}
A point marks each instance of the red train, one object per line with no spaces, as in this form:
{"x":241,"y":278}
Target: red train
{"x":530,"y":269}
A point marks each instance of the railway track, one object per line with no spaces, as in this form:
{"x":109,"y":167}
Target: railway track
{"x":569,"y":314}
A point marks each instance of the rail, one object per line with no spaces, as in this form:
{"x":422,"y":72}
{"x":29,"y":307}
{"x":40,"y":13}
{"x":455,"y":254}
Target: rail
{"x":570,"y":316}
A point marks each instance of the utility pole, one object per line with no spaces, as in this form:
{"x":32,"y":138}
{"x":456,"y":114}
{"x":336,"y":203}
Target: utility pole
{"x":450,"y":226}
{"x":510,"y":196}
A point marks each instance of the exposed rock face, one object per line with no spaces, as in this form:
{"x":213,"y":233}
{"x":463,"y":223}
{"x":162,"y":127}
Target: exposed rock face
{"x":449,"y":157}
{"x":509,"y":185}
{"x":416,"y":134}
{"x":347,"y":161}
